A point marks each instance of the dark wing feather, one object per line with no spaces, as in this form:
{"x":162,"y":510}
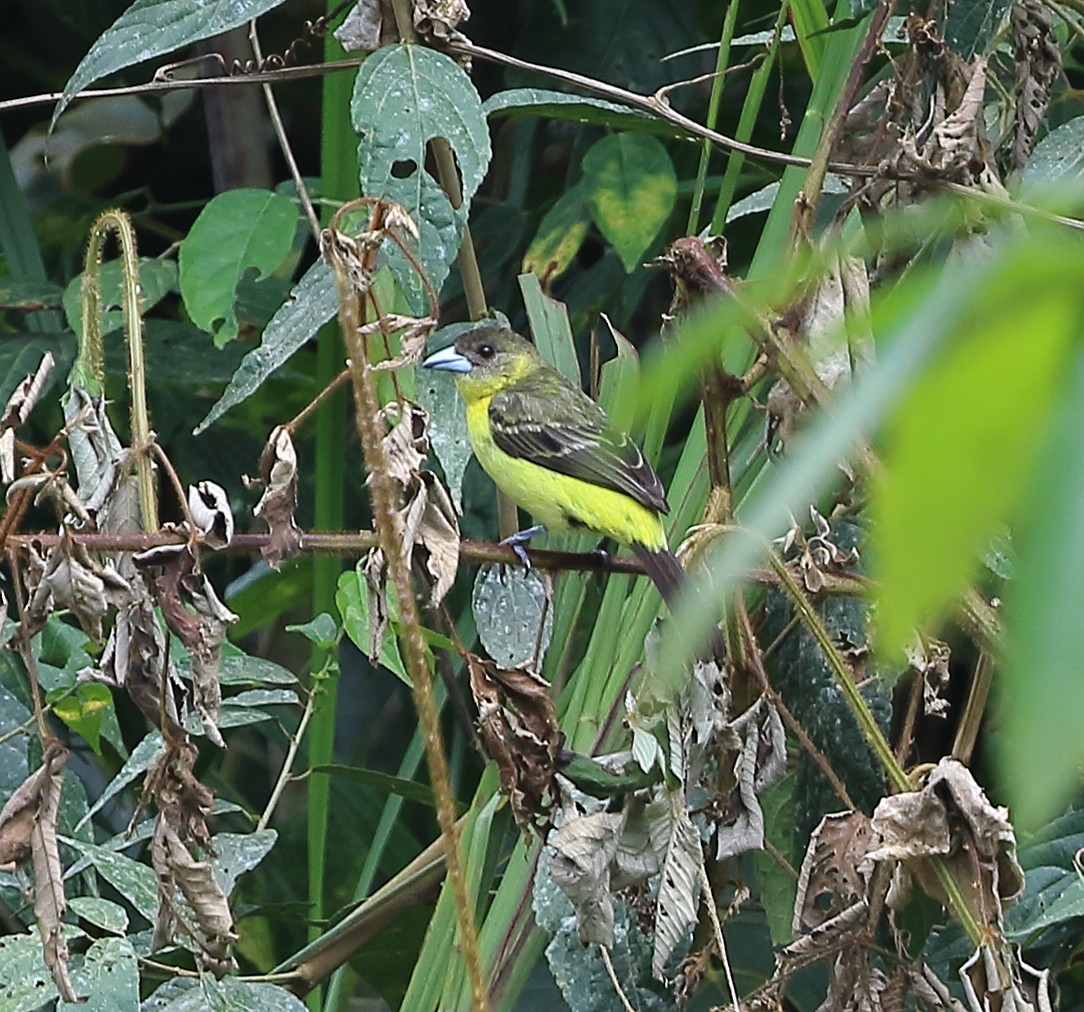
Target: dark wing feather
{"x":547,"y":421}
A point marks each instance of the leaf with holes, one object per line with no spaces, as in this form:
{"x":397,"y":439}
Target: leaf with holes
{"x":404,"y":97}
{"x":237,"y":231}
{"x":631,"y":188}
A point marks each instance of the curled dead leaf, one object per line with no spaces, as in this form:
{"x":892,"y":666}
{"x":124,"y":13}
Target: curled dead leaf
{"x":69,"y":578}
{"x":951,"y":818}
{"x":833,"y":879}
{"x":429,"y":522}
{"x":196,"y":616}
{"x":407,"y":443}
{"x":518,"y":726}
{"x":277,"y":505}
{"x":49,"y":901}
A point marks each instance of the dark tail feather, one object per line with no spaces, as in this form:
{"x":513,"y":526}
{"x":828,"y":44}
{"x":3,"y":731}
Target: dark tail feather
{"x":673,"y":582}
{"x":663,"y":567}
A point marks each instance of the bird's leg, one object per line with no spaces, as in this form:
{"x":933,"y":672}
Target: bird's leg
{"x":519,"y":539}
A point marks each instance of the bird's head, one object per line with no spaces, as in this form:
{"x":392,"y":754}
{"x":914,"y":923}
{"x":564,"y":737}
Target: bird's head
{"x":486,"y":360}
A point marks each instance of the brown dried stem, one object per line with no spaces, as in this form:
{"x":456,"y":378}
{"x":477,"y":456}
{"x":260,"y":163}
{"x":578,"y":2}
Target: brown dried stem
{"x":388,"y":525}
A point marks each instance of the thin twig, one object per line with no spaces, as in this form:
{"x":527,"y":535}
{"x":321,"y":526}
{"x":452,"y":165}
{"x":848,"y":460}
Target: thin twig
{"x":608,"y":963}
{"x":720,"y":942}
{"x":288,"y":762}
{"x":27,"y":649}
{"x":284,"y":141}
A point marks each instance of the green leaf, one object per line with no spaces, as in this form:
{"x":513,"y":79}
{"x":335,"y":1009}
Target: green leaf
{"x":631,"y":188}
{"x":157,"y":278}
{"x":109,"y":978}
{"x":151,"y":28}
{"x":1057,"y":158}
{"x":560,"y":235}
{"x":231,"y":994}
{"x":236,"y":231}
{"x":25,"y":980}
{"x":143,"y":756}
{"x":101,"y":913}
{"x":575,"y":108}
{"x":321,"y":631}
{"x":313,"y":301}
{"x":236,"y":853}
{"x":411,"y":790}
{"x":352,"y":599}
{"x":778,"y":888}
{"x":512,"y":614}
{"x":405,"y":96}
{"x":1043,"y":710}
{"x":550,"y":328}
{"x":448,"y":435}
{"x":26,"y":295}
{"x":970,"y":25}
{"x":134,"y":881}
{"x":83,"y":709}
{"x":958,"y":451}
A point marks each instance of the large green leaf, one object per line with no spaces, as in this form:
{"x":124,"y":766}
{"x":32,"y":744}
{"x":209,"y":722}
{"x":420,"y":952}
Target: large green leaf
{"x":631,"y":187}
{"x":313,"y":301}
{"x":1058,"y":157}
{"x":151,"y":28}
{"x":237,"y":231}
{"x":960,"y":447}
{"x":108,"y":978}
{"x":1040,"y":746}
{"x":404,"y":97}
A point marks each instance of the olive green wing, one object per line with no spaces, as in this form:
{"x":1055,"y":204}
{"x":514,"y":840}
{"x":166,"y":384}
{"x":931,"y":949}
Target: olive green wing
{"x":549,"y":422}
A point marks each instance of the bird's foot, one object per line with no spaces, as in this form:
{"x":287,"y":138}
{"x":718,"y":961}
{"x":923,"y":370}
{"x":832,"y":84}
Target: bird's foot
{"x":517,"y":541}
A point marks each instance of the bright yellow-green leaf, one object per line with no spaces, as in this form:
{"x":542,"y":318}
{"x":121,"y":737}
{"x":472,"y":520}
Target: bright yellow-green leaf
{"x":631,"y":187}
{"x":959,"y":450}
{"x":559,"y":237}
{"x":1040,"y":746}
{"x":83,"y":709}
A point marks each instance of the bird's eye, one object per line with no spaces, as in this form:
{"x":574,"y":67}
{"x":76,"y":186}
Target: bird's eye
{"x":486,"y":351}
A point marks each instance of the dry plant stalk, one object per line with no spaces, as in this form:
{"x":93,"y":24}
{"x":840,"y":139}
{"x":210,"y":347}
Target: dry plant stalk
{"x":353,"y":261}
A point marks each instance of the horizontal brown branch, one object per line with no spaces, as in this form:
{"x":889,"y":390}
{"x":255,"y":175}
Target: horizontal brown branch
{"x":354,"y":544}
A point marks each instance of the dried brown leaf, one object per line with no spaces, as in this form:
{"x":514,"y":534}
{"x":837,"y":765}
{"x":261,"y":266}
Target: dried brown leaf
{"x":995,"y":979}
{"x":277,"y":505}
{"x":136,"y":659}
{"x":178,"y":871}
{"x":950,"y":817}
{"x":429,"y":521}
{"x":518,"y":726}
{"x":196,"y":616}
{"x":854,"y":985}
{"x":413,"y":333}
{"x":376,"y":583}
{"x":1036,"y":65}
{"x":16,"y":412}
{"x":17,"y":820}
{"x":582,"y":851}
{"x":832,"y":880}
{"x":407,"y":444}
{"x":759,"y":742}
{"x":49,"y":901}
{"x":369,"y":25}
{"x":70,"y":578}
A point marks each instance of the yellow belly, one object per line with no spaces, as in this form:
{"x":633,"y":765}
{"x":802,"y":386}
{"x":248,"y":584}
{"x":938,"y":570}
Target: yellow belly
{"x":558,"y":500}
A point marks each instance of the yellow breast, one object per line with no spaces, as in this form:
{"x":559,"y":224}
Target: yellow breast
{"x":558,"y":500}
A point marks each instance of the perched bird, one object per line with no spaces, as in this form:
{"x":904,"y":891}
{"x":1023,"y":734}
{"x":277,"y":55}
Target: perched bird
{"x":554,"y":451}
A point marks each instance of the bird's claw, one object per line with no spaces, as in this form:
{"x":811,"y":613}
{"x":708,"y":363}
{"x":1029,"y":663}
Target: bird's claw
{"x":518,"y":540}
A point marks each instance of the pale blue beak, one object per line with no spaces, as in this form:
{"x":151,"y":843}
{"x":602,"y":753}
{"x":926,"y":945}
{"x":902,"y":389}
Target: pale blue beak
{"x":449,"y":360}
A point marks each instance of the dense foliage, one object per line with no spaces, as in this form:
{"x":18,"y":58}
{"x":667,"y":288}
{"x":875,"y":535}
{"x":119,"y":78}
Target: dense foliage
{"x":280,"y":720}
